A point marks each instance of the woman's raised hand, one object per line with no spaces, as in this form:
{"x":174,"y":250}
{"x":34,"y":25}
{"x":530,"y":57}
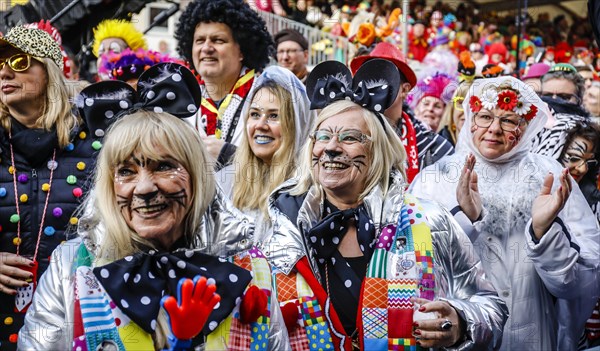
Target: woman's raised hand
{"x":547,"y":205}
{"x":444,"y":331}
{"x":467,"y":191}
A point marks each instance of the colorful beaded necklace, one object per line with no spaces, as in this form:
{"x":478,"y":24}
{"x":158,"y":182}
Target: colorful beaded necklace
{"x":14,"y":174}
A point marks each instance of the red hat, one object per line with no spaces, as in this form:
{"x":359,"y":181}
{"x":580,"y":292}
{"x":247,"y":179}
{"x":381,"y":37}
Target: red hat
{"x":563,"y":53}
{"x":390,"y":52}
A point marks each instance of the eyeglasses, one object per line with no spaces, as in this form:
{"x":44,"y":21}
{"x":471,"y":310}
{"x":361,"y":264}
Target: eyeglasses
{"x":507,"y":124}
{"x":347,"y":137}
{"x":576,"y":161}
{"x":18,"y":62}
{"x":271,"y":118}
{"x":563,"y":96}
{"x":458,"y":101}
{"x":288,"y":52}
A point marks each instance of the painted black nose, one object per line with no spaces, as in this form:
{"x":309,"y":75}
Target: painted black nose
{"x":332,"y":153}
{"x":147,"y":196}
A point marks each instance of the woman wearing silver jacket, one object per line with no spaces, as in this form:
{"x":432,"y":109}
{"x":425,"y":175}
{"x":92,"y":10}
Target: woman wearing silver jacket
{"x":359,"y":262}
{"x":157,"y":216}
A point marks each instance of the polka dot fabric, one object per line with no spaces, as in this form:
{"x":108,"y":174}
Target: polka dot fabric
{"x":165,"y":87}
{"x":374,"y":87}
{"x":325,"y":237}
{"x":137,"y":283}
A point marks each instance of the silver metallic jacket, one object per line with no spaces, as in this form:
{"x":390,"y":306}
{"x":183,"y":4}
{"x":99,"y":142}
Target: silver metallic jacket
{"x":458,"y":274}
{"x":49,"y":320}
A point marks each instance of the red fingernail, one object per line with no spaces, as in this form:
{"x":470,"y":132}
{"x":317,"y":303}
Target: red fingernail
{"x":31,"y":264}
{"x":422,"y":309}
{"x":418,"y":342}
{"x":417,"y":332}
{"x":416,"y":324}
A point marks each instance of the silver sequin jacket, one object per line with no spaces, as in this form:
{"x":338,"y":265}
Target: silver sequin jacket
{"x":458,"y":274}
{"x":49,"y":321}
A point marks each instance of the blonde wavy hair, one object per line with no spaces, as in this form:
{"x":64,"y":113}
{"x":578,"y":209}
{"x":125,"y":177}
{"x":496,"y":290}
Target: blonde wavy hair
{"x":254,"y":178}
{"x":55,"y":111}
{"x":385,"y":151}
{"x":148,"y":133}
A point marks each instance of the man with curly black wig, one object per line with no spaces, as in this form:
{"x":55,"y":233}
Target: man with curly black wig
{"x":228,"y":45}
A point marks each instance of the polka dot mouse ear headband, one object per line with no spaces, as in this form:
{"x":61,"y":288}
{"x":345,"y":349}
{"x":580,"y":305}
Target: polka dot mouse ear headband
{"x":374,"y":87}
{"x":165,"y":87}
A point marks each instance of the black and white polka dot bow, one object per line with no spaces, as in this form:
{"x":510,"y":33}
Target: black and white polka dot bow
{"x":137,"y":283}
{"x":374,"y":87}
{"x":165,"y":87}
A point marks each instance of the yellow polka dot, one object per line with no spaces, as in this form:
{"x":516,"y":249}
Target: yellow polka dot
{"x":321,"y":340}
{"x":330,"y":339}
{"x":16,"y":241}
{"x":11,"y":169}
{"x":80,"y":166}
{"x":82,"y":135}
{"x":74,"y":220}
{"x":45,"y":187}
{"x":264,"y":345}
{"x":314,"y":346}
{"x":23,"y":198}
{"x":255,"y":329}
{"x":256,"y":347}
{"x":322,"y":332}
{"x":259,"y":337}
{"x":8,"y":320}
{"x":314,"y":336}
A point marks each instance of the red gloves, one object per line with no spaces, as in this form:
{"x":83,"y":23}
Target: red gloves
{"x":195,"y":301}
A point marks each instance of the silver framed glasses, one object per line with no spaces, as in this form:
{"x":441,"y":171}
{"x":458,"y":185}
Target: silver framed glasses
{"x":346,"y":137}
{"x":508,"y":124}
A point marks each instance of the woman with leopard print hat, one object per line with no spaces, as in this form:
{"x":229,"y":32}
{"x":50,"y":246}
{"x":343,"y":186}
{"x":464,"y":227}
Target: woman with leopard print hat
{"x":46,"y":157}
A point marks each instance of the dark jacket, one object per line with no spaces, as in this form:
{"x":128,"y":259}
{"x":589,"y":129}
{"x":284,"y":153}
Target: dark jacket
{"x":32,"y":150}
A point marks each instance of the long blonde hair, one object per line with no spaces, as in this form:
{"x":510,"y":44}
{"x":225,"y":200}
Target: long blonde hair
{"x":255,"y":179}
{"x":146,"y":132}
{"x":385,"y":150}
{"x":448,"y":116}
{"x":55,"y":111}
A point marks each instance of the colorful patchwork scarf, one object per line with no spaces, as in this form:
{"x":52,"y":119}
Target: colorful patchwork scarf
{"x":401,"y":267}
{"x":223,"y":120}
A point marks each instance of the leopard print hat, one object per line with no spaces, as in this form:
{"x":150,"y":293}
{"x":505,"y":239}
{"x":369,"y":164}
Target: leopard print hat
{"x":34,"y":42}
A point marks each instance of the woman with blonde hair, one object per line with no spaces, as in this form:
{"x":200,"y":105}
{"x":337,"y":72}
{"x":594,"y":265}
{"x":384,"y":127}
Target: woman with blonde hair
{"x":47,"y":157}
{"x":454,"y":116}
{"x":277,"y":119}
{"x":361,"y":264}
{"x":155,"y":216}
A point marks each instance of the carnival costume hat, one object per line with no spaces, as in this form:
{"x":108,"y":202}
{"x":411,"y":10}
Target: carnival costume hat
{"x":165,"y":87}
{"x":508,"y":94}
{"x":115,"y":28}
{"x":438,"y":86}
{"x":374,"y":87}
{"x":34,"y":42}
{"x":390,"y":52}
{"x":54,"y":33}
{"x":130,"y":64}
{"x":537,"y":70}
